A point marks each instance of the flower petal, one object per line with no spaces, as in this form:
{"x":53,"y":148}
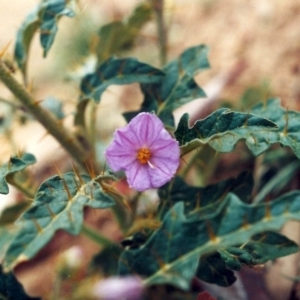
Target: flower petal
{"x":138,"y":176}
{"x":147,"y":127}
{"x":144,"y":131}
{"x":127,"y":138}
{"x":164,"y":170}
{"x":119,"y":157}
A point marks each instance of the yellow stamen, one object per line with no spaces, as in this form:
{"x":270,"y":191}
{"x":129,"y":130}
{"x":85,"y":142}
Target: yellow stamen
{"x":143,"y":155}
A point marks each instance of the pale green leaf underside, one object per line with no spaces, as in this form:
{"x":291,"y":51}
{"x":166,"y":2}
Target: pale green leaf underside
{"x":58,"y":204}
{"x":171,"y":254}
{"x":221,"y":130}
{"x":15,"y":164}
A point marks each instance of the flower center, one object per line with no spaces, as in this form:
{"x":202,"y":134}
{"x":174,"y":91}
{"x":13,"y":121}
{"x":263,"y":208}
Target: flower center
{"x":143,"y":155}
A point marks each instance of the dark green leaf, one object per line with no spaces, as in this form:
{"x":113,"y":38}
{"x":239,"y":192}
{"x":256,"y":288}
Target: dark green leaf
{"x":177,"y":87}
{"x":287,"y":134}
{"x":118,"y":36}
{"x":172,"y":253}
{"x":221,"y":130}
{"x":15,"y":164}
{"x":212,"y":269}
{"x":11,"y":213}
{"x":262,"y":247}
{"x":202,"y":200}
{"x":58,"y":204}
{"x":54,"y":9}
{"x":106,"y":262}
{"x":117,"y":71}
{"x":11,"y":289}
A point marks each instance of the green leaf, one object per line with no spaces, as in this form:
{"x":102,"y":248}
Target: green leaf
{"x":172,"y":253}
{"x":7,"y":234}
{"x":118,"y":36}
{"x":282,"y":177}
{"x":14,"y":165}
{"x":58,"y":204}
{"x":287,"y":134}
{"x":11,"y":213}
{"x":203,"y":199}
{"x":269,"y":245}
{"x":117,"y":71}
{"x":221,"y":130}
{"x":11,"y":289}
{"x":24,"y":37}
{"x":106,"y":262}
{"x":54,"y":9}
{"x":44,"y":17}
{"x":261,"y":247}
{"x":212,"y":269}
{"x":177,"y":87}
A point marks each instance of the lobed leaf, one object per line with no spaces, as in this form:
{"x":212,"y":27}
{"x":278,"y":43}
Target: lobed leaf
{"x":177,"y":87}
{"x":287,"y":133}
{"x":58,"y":204}
{"x":43,"y":17}
{"x":217,"y":268}
{"x":117,"y":71}
{"x":14,"y":165}
{"x":11,"y":289}
{"x":213,"y":269}
{"x":259,"y":249}
{"x":221,"y":130}
{"x":54,"y":9}
{"x":203,"y":199}
{"x":172,"y":253}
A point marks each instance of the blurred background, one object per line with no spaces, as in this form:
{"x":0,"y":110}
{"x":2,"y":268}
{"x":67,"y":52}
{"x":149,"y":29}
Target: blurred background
{"x":254,"y":52}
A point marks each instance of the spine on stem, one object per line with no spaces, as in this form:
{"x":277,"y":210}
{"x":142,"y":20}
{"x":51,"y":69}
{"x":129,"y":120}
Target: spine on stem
{"x":51,"y":124}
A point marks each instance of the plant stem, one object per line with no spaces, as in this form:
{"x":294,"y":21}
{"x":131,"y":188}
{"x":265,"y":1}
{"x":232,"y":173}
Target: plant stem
{"x":158,"y":6}
{"x":21,"y":186}
{"x":97,"y":237}
{"x":52,"y":125}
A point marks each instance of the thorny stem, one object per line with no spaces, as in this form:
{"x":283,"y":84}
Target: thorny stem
{"x":52,"y":125}
{"x":121,"y":211}
{"x":97,"y":237}
{"x":158,"y":6}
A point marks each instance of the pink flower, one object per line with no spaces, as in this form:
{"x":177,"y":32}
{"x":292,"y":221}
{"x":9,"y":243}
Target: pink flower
{"x":117,"y":288}
{"x":145,"y":151}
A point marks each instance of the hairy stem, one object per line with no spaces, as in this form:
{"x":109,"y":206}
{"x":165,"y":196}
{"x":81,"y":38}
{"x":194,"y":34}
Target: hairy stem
{"x":52,"y":125}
